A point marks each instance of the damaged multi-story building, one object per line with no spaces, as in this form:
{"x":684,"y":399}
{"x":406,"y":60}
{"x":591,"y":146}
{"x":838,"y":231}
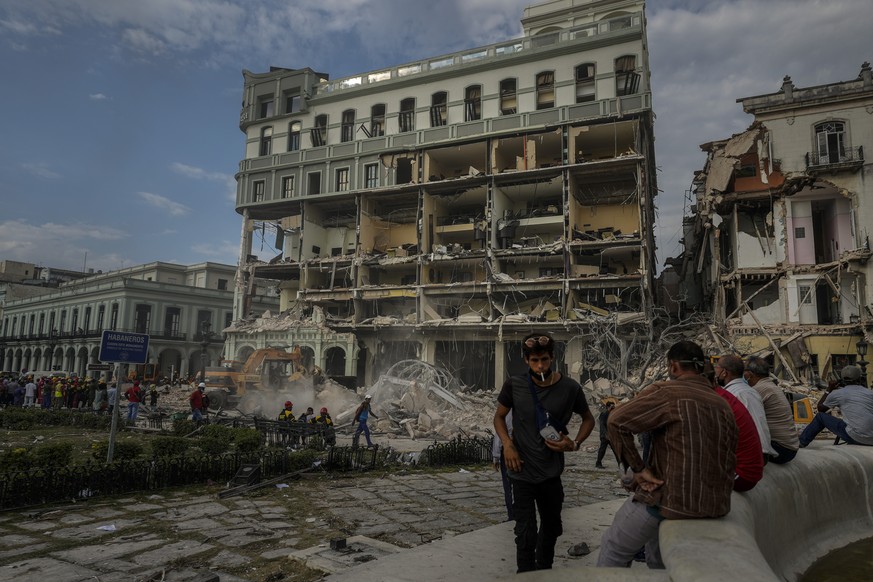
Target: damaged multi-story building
{"x":779,"y":241}
{"x":439,"y":208}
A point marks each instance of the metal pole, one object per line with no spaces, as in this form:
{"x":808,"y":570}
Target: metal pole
{"x":114,"y":427}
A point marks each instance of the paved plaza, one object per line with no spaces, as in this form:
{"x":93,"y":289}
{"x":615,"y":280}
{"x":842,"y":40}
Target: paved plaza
{"x":190,"y":534}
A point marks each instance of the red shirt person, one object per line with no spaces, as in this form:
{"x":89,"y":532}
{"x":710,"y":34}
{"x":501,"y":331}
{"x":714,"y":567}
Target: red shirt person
{"x":750,"y":459}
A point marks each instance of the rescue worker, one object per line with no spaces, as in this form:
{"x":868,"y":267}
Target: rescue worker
{"x":287,"y":431}
{"x":325,"y":427}
{"x":361,"y":414}
{"x":197,"y":399}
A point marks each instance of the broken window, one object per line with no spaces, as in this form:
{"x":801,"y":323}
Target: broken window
{"x":377,"y":120}
{"x":371,"y":175}
{"x":473,"y":103}
{"x":292,"y":101}
{"x":265,"y":108}
{"x":347,"y":131}
{"x":288,"y":187}
{"x":627,"y":80}
{"x":294,"y":136}
{"x":407,"y":114}
{"x":258,"y":191}
{"x":318,"y":134}
{"x":546,"y":90}
{"x":439,"y":109}
{"x":342,"y":180}
{"x":585,"y":89}
{"x":830,"y":142}
{"x":314,"y":183}
{"x":266,"y":142}
{"x":508,"y":104}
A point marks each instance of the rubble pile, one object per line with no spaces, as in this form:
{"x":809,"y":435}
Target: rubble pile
{"x":419,"y":400}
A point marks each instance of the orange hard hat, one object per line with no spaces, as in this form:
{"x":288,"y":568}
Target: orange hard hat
{"x":288,"y":404}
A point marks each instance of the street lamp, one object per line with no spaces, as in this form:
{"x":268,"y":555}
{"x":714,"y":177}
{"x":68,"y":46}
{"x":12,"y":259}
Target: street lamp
{"x":205,"y":339}
{"x":861,"y":348}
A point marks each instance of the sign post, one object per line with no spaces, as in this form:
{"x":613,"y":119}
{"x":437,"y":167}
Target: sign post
{"x":121,"y":347}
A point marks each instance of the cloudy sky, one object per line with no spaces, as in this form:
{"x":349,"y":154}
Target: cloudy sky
{"x":120,"y":135}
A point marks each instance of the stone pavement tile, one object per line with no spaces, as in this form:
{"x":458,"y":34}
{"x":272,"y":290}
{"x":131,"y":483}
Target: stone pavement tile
{"x":172,"y":551}
{"x":38,"y":525}
{"x":98,"y":553}
{"x":244,"y":512}
{"x":278,"y":525}
{"x":105,"y":513}
{"x":246,"y":537}
{"x":139,"y":507}
{"x":119,"y":565}
{"x":450,"y":496}
{"x":279,"y":515}
{"x":223,"y":577}
{"x":23,"y":550}
{"x":289,"y":541}
{"x":203,"y":523}
{"x":74,"y":518}
{"x":16,"y":540}
{"x":91,"y":531}
{"x":47,"y":569}
{"x":179,"y":575}
{"x":228,"y":559}
{"x":273,"y":554}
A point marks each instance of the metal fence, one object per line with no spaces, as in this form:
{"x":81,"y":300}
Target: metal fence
{"x":351,"y":458}
{"x":458,"y":451}
{"x":52,"y":484}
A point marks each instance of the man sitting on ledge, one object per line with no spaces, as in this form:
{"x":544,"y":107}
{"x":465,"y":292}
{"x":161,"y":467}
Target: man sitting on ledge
{"x":856,"y":406}
{"x":690,"y":472}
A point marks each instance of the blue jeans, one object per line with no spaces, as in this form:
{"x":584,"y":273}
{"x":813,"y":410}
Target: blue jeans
{"x":132,"y":411}
{"x":822,"y":421}
{"x":196,"y":415}
{"x":362,"y":428}
{"x":535,"y":549}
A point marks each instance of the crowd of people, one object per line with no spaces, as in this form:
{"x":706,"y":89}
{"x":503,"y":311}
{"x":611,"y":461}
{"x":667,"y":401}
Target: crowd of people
{"x":707,"y":431}
{"x":307,"y":424}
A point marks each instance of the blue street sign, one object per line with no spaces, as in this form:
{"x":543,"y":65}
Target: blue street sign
{"x":124,"y":347}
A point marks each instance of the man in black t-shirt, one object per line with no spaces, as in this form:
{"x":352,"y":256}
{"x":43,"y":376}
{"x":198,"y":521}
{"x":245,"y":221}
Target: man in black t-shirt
{"x":542,"y":402}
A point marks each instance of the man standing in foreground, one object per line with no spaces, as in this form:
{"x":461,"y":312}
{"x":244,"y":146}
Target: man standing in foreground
{"x":690,"y":472}
{"x":542,"y":401}
{"x":856,"y":406}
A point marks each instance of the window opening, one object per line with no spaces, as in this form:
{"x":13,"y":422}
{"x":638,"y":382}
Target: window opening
{"x":347,"y":132}
{"x":258,"y":191}
{"x":318,"y":134}
{"x":627,"y":81}
{"x":830,"y":142}
{"x":473,"y":103}
{"x":266,"y":141}
{"x":371,"y":175}
{"x":546,"y":90}
{"x":377,"y":120}
{"x":585,"y":83}
{"x":508,"y":104}
{"x":342,"y":180}
{"x":438,"y":109}
{"x":266,"y":109}
{"x":407,"y":114}
{"x":314,"y":183}
{"x":294,"y":136}
{"x":288,"y":187}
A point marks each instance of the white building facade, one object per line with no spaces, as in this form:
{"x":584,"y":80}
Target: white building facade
{"x":434,"y":209}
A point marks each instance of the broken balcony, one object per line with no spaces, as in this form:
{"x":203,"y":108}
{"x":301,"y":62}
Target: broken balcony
{"x":448,"y":271}
{"x":512,"y":306}
{"x":324,"y":282}
{"x":584,"y":303}
{"x":387,"y":278}
{"x":529,"y":271}
{"x":393,"y":307}
{"x":440,"y":309}
{"x":530,"y":214}
{"x":455,"y":224}
{"x":607,"y":141}
{"x":328,"y":232}
{"x":389,"y":226}
{"x":835,"y":159}
{"x":457,"y":162}
{"x":526,"y":152}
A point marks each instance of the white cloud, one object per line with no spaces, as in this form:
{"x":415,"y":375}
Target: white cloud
{"x":40,"y":170}
{"x":196,"y":173}
{"x":224,"y":252}
{"x":164,"y":203}
{"x":66,"y":244}
{"x":97,"y":97}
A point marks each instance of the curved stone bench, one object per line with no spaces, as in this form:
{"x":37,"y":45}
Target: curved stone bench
{"x":820,"y":501}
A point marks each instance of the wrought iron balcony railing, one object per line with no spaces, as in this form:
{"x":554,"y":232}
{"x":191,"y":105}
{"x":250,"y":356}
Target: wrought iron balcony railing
{"x":848,"y":158}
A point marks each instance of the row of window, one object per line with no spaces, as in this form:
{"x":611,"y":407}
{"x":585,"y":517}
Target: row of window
{"x":27,"y":325}
{"x":342,"y":183}
{"x":626,"y":83}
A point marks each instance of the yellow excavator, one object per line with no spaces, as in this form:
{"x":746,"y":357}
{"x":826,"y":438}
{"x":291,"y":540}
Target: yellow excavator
{"x":266,"y":372}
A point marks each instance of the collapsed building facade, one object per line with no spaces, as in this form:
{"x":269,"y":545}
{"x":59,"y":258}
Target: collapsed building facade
{"x":778,"y":246}
{"x":436,"y":209}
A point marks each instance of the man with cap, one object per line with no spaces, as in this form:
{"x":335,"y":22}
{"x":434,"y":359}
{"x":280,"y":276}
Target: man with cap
{"x":135,"y":395}
{"x":325,"y":426}
{"x":361,"y":414}
{"x":196,"y":399}
{"x":856,"y":406}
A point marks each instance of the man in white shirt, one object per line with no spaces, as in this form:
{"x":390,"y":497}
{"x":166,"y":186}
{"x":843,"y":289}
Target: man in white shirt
{"x":856,"y":406}
{"x":729,"y":373}
{"x":29,"y":392}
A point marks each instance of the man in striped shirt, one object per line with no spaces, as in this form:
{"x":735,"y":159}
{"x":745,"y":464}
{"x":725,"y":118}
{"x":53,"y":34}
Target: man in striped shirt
{"x":690,"y":472}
